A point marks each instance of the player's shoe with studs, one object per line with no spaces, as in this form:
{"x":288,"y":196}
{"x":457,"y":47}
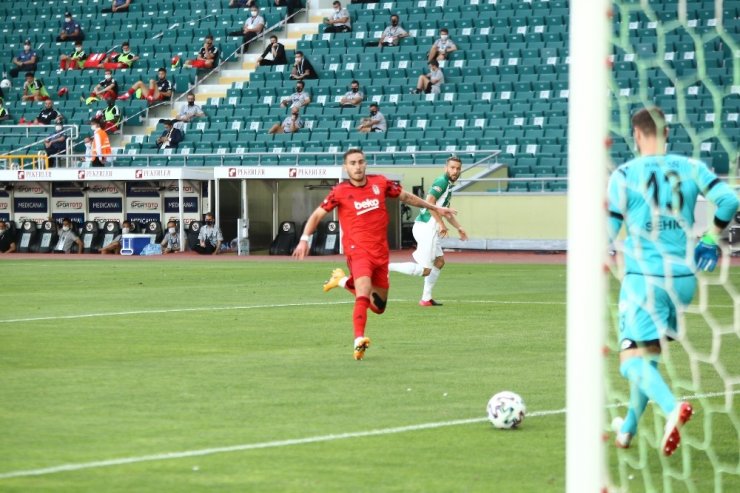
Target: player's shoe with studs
{"x":621,"y":440}
{"x":336,"y":276}
{"x":429,"y":303}
{"x":361,"y":344}
{"x":672,"y":435}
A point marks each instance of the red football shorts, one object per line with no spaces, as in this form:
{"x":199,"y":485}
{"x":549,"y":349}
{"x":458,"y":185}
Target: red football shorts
{"x":374,"y":268}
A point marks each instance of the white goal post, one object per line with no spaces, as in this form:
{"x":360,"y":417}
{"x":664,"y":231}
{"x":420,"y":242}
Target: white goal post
{"x":590,"y":30}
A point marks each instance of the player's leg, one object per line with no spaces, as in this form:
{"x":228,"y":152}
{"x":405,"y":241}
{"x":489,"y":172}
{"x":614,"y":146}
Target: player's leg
{"x":423,"y":255}
{"x":380,"y":287}
{"x":431,"y":280}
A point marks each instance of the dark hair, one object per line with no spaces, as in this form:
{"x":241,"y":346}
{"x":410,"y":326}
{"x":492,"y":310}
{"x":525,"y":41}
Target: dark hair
{"x":125,"y":43}
{"x":649,"y":120}
{"x":454,"y":158}
{"x":273,"y":36}
{"x":30,"y":74}
{"x":301,"y":83}
{"x":374,"y":104}
{"x":444,"y":30}
{"x":210,"y":36}
{"x":354,"y":150}
{"x":434,"y":63}
{"x":162,"y":69}
{"x":337,"y":3}
{"x":355,"y":82}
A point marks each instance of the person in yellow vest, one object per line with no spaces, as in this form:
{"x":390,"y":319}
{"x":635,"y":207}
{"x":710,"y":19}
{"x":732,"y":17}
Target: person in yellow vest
{"x":76,"y":60}
{"x":101,"y":145}
{"x":111,"y":116}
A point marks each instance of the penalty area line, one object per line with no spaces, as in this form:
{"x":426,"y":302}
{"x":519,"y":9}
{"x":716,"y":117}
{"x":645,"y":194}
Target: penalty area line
{"x":290,"y":442}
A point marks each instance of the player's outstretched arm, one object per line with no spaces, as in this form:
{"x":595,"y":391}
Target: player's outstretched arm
{"x":301,"y":250}
{"x":411,"y":199}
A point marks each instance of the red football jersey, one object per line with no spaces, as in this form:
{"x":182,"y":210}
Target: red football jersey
{"x":362,"y":214}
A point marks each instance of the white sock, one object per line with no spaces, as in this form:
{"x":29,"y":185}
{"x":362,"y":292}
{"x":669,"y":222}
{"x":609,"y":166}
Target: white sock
{"x":408,"y":268}
{"x":429,"y":282}
{"x":343,"y":281}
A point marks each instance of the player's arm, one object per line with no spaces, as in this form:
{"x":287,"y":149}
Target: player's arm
{"x":411,"y":199}
{"x":617,"y":200}
{"x":301,"y":250}
{"x":706,"y":254}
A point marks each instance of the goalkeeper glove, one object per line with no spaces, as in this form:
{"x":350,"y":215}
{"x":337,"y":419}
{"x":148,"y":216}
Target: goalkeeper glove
{"x":706,"y":253}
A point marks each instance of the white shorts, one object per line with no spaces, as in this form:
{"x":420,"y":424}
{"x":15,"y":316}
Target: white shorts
{"x":427,"y":243}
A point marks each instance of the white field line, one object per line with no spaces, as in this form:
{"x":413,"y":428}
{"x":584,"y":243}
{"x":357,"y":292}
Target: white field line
{"x":287,"y":443}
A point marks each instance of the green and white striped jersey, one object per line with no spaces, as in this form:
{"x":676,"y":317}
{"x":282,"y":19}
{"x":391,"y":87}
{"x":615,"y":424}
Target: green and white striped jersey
{"x":442,"y":191}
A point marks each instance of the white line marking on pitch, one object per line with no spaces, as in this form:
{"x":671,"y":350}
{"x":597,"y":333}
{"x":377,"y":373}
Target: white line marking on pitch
{"x":282,"y":443}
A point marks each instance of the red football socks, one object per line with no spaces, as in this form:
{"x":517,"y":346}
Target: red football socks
{"x":359,"y":315}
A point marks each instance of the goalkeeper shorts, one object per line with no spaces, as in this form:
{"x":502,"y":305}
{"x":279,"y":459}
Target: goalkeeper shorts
{"x":649,"y":305}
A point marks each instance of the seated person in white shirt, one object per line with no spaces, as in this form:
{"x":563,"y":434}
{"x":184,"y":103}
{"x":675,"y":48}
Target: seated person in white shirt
{"x":338,"y":21}
{"x":290,"y":125}
{"x":352,"y":98}
{"x":442,"y":47}
{"x":298,"y":99}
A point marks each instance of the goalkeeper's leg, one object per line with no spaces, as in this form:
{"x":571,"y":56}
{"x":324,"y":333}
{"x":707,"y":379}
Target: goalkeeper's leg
{"x":642,"y":373}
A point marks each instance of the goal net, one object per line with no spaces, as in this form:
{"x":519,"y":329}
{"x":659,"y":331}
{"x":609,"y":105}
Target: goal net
{"x":683,"y":58}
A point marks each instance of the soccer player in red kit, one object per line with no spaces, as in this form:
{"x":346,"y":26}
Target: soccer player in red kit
{"x":364,"y":220}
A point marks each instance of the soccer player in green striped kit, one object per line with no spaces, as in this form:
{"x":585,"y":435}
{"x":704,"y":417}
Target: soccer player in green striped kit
{"x":429,"y":228}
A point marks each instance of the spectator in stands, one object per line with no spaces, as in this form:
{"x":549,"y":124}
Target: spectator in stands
{"x":253,"y":26}
{"x":279,"y":3}
{"x":158,"y":90}
{"x":375,"y":122}
{"x":4,"y":114}
{"x":274,"y":54}
{"x":115,"y":245}
{"x":171,"y":241}
{"x":207,"y":56}
{"x":430,"y":83}
{"x":100,"y":146}
{"x":298,"y":99}
{"x":339,"y":21}
{"x":75,"y":60}
{"x":352,"y":98}
{"x":105,"y":89}
{"x":34,"y":89}
{"x":209,"y":238}
{"x":442,"y":47}
{"x":7,"y":242}
{"x":56,"y":144}
{"x":25,"y":60}
{"x":111,"y":116}
{"x":302,"y":68}
{"x":117,"y":6}
{"x":125,"y":59}
{"x":392,"y":34}
{"x":86,"y":161}
{"x":71,"y":29}
{"x":290,"y":125}
{"x":48,"y":114}
{"x":67,"y":238}
{"x":171,"y":136}
{"x":242,"y":4}
{"x":190,"y":110}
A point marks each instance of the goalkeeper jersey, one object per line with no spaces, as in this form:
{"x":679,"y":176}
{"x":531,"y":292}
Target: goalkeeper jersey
{"x":442,"y":191}
{"x":655,"y":197}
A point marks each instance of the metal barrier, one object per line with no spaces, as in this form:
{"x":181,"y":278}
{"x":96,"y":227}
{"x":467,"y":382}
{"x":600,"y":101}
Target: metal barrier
{"x":23,"y":161}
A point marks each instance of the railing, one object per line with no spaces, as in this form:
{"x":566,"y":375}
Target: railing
{"x":23,"y":161}
{"x":73,"y":132}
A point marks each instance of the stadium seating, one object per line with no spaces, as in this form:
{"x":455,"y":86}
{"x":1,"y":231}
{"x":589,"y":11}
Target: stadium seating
{"x":506,"y":87}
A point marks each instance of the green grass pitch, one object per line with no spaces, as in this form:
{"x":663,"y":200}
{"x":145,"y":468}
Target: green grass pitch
{"x":108,"y":366}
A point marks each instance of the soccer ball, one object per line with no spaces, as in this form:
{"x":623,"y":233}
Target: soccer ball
{"x":5,"y":84}
{"x":506,"y":410}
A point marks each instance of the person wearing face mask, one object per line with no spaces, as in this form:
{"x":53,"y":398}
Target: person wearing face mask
{"x":274,"y":54}
{"x":338,"y":21}
{"x":101,"y":145}
{"x":430,"y":83}
{"x":157,"y":90}
{"x":125,"y":59}
{"x":190,"y":110}
{"x":114,"y":246}
{"x":7,"y":242}
{"x":443,"y":47}
{"x":352,"y":98}
{"x":68,"y":238}
{"x":291,"y":124}
{"x":253,"y":26}
{"x":48,"y":114}
{"x":71,"y":29}
{"x":75,"y":60}
{"x":207,"y":56}
{"x":375,"y":122}
{"x":117,"y":6}
{"x":105,"y":89}
{"x":302,"y":68}
{"x":25,"y":60}
{"x":171,"y":136}
{"x":171,"y":241}
{"x":56,"y":145}
{"x":392,"y":34}
{"x":298,"y":99}
{"x":209,"y":238}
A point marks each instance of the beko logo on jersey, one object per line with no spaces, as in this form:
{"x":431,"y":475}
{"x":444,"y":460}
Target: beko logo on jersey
{"x":367,"y":205}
